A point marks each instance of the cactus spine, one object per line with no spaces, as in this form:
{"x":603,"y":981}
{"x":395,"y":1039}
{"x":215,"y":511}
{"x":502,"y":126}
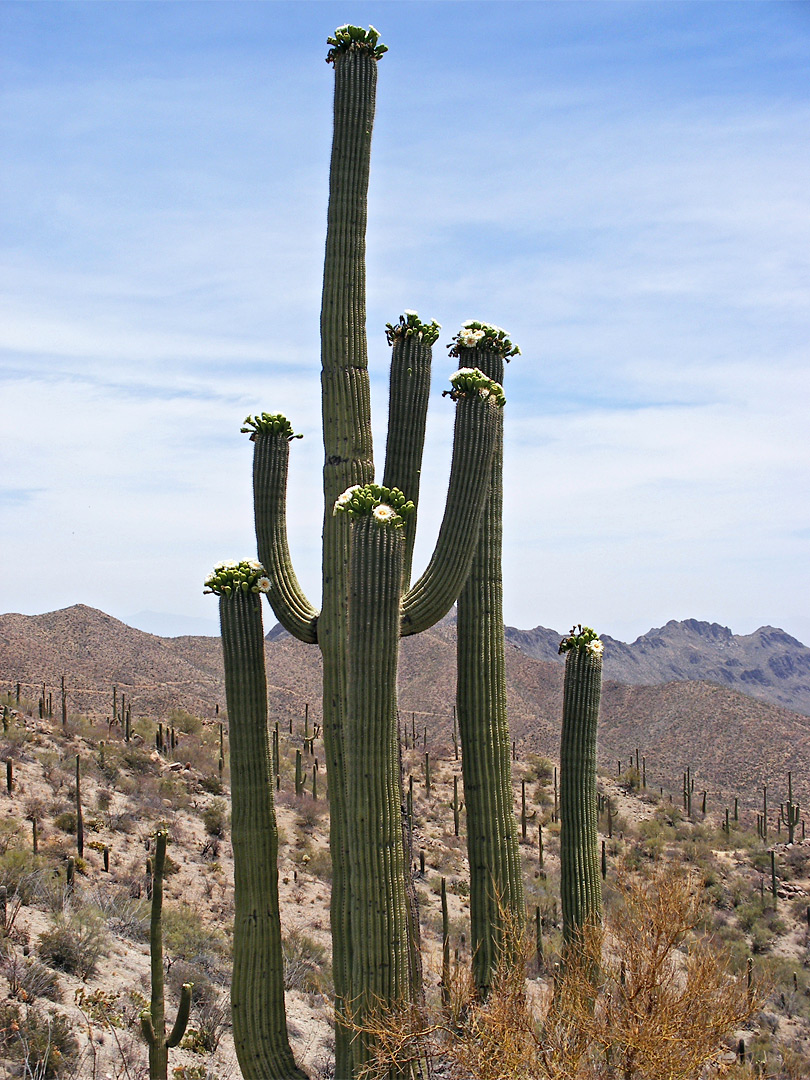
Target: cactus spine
{"x":492,"y":843}
{"x":153,"y":1019}
{"x":348,"y":466}
{"x":257,"y":987}
{"x":580,"y":886}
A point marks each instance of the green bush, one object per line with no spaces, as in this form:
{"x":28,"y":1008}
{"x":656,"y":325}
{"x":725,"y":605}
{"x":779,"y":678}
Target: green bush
{"x":74,"y":944}
{"x":184,"y":721}
{"x":66,"y":821}
{"x":187,"y":937}
{"x":215,"y":818}
{"x":306,"y":964}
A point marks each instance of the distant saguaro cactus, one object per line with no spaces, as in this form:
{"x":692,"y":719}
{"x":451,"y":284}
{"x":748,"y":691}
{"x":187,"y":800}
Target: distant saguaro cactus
{"x":153,"y":1019}
{"x":580,"y":884}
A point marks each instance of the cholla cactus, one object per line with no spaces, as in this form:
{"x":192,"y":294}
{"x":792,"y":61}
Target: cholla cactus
{"x":580,"y":884}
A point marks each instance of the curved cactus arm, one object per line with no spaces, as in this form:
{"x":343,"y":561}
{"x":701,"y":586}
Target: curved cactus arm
{"x":257,"y":986}
{"x":479,"y":403}
{"x":181,"y":1020}
{"x":409,"y":389}
{"x":148,"y":1028}
{"x":580,"y":881}
{"x":271,"y":435}
{"x":382,"y":964}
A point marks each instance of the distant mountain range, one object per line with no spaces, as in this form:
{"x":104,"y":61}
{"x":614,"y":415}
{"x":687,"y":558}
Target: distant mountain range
{"x":733,"y":742}
{"x":769,"y":664}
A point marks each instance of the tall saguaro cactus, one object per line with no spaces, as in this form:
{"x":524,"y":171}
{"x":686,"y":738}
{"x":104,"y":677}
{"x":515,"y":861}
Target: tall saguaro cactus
{"x":580,"y":884}
{"x":257,"y":987}
{"x":153,"y":1019}
{"x":496,"y":885}
{"x":359,"y":671}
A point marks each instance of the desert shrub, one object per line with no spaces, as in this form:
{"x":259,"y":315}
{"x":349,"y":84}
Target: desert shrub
{"x":184,"y":721}
{"x":172,"y":790}
{"x":74,"y":944}
{"x":215,"y":818}
{"x":187,"y":937}
{"x":21,"y":872}
{"x":138,"y":760}
{"x":66,"y":821}
{"x":125,"y":916}
{"x":320,"y":864}
{"x":27,"y":979}
{"x":540,"y":768}
{"x":36,"y":1044}
{"x":211,"y":784}
{"x":306,"y":964}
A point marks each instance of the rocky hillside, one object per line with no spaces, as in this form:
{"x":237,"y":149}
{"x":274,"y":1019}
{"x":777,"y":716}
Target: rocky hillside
{"x":769,"y":664}
{"x":733,"y":743}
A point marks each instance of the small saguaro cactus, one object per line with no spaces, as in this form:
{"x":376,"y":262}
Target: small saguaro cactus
{"x":79,"y":815}
{"x":580,"y":884}
{"x":257,"y":986}
{"x":153,"y":1019}
{"x":789,"y":811}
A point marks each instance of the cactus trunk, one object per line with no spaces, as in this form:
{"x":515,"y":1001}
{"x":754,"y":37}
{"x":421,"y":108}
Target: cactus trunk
{"x":257,"y":988}
{"x":382,"y":968}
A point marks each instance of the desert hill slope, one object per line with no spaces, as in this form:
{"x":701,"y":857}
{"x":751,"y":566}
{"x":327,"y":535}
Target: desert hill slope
{"x":733,"y":743}
{"x":769,"y":664}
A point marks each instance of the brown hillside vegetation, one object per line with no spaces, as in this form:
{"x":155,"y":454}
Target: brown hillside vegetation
{"x":733,"y":744}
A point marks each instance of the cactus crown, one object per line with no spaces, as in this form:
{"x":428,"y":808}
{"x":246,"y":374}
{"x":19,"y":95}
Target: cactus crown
{"x":355,"y":39}
{"x":471,"y":381}
{"x":268,"y":424}
{"x":582,"y":638}
{"x":481,"y":335}
{"x":387,"y":506}
{"x":410,"y":325}
{"x":230,"y":576}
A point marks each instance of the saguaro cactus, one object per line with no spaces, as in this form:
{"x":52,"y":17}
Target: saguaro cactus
{"x":496,"y":885}
{"x":789,"y":811}
{"x":348,"y":464}
{"x":153,"y":1019}
{"x":580,"y":885}
{"x":257,"y":986}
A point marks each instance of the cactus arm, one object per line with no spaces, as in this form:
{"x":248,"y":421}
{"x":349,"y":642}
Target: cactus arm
{"x":492,"y":842}
{"x":580,"y":883}
{"x":271,"y":437}
{"x":257,"y":987}
{"x":478,"y":421}
{"x":181,"y":1020}
{"x":409,"y":389}
{"x":348,"y":456}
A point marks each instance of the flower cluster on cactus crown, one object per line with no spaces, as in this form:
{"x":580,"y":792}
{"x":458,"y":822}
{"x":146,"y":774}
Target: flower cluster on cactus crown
{"x":386,"y":506}
{"x":480,"y":335}
{"x":268,"y":424}
{"x":355,"y":39}
{"x":584,"y":639}
{"x":231,"y":576}
{"x":410,"y":325}
{"x":468,"y":381}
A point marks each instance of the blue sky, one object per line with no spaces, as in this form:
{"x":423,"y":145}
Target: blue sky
{"x":624,"y":186}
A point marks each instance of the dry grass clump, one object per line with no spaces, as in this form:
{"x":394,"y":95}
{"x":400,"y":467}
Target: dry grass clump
{"x":652,"y":1000}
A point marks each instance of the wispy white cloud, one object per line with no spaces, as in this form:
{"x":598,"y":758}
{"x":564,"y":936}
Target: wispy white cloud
{"x":627,"y":195}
